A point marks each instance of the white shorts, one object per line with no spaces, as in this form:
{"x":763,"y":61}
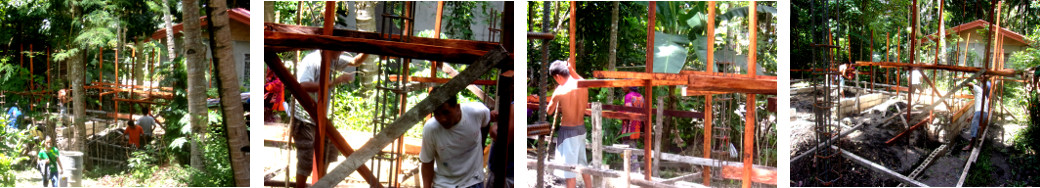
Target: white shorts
{"x":570,"y":151}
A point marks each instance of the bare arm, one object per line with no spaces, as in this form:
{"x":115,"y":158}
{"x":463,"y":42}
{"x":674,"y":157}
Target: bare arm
{"x":360,"y":58}
{"x":61,"y":168}
{"x":552,"y":104}
{"x":427,"y":174}
{"x":314,"y":86}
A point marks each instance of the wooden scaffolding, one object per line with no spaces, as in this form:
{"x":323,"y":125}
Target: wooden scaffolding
{"x":480,"y":56}
{"x":697,"y":83}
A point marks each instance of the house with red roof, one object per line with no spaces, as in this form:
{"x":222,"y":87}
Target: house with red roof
{"x":976,"y":45}
{"x":238,"y":18}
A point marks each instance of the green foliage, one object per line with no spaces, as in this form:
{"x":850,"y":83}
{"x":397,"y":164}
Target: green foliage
{"x":459,"y":17}
{"x":7,"y":178}
{"x":217,"y":170}
{"x":981,"y":173}
{"x":176,"y":109}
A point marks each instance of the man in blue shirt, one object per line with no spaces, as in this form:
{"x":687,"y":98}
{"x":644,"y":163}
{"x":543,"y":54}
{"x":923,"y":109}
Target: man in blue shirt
{"x":13,"y":114}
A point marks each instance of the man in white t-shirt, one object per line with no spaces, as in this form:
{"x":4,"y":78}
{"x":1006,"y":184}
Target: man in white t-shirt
{"x":147,"y":123}
{"x":304,"y":128}
{"x":915,"y":80}
{"x":453,"y":142}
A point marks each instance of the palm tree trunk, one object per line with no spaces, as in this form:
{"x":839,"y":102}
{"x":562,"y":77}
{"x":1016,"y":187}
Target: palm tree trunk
{"x":230,"y":100}
{"x":78,"y":101}
{"x":366,"y":22}
{"x":194,"y":51}
{"x":168,"y":19}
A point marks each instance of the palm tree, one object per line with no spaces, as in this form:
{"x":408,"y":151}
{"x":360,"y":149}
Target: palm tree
{"x":196,"y":79}
{"x":366,"y":22}
{"x":234,"y":116}
{"x":168,"y":22}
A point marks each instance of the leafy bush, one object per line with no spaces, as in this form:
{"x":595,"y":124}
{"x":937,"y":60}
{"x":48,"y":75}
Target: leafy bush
{"x":217,"y":171}
{"x":7,"y":178}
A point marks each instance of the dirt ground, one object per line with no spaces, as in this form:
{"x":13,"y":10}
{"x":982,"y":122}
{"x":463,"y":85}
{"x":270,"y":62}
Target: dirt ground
{"x":903,"y":156}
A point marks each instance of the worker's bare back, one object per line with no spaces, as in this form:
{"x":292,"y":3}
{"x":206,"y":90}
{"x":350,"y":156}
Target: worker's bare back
{"x":571,"y":101}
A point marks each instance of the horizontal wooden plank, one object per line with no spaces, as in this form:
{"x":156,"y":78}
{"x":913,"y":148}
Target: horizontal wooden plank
{"x":284,"y":40}
{"x":132,"y":86}
{"x":626,"y":83}
{"x":730,"y":83}
{"x":639,"y":75}
{"x":442,"y":80}
{"x":731,"y":170}
{"x":998,"y":72}
{"x":670,"y":113}
{"x":631,"y":113}
{"x":703,"y":73}
{"x":453,"y":43}
{"x":702,"y":93}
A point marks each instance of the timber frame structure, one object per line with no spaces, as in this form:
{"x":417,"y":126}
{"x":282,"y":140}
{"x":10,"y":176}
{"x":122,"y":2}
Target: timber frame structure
{"x":824,"y":68}
{"x":697,"y":83}
{"x":481,"y":57}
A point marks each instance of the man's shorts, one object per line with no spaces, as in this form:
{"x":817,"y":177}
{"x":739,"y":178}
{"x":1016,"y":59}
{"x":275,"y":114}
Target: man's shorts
{"x":571,"y":151}
{"x":304,"y":135}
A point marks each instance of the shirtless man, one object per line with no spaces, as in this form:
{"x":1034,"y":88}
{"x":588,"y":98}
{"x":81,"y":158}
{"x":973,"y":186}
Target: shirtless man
{"x":570,"y":143}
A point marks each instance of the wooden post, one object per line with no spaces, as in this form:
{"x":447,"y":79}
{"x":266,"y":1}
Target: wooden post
{"x":887,"y":38}
{"x":32,"y":71}
{"x":913,"y":49}
{"x":648,"y":106}
{"x":597,"y":140}
{"x":749,"y":123}
{"x":436,"y":35}
{"x":116,"y":50}
{"x":101,"y":65}
{"x":48,"y":66}
{"x":323,"y":95}
{"x":706,"y":172}
{"x":626,"y":155}
{"x":657,"y":137}
{"x":293,"y":86}
{"x":403,"y":97}
{"x":572,"y":29}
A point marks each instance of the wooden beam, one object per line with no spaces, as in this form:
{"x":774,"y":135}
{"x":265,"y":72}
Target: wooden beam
{"x":298,"y":41}
{"x":628,"y":112}
{"x":919,"y":124}
{"x":442,"y":80}
{"x":278,"y":68}
{"x":706,"y":150}
{"x":999,"y":72}
{"x":451,"y":43}
{"x":132,"y":86}
{"x":735,"y":84}
{"x":639,"y":75}
{"x":321,"y":120}
{"x":414,"y":115}
{"x":878,"y":168}
{"x":607,"y":173}
{"x":648,"y":89}
{"x":732,"y":170}
{"x":749,"y":122}
{"x":627,"y":83}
